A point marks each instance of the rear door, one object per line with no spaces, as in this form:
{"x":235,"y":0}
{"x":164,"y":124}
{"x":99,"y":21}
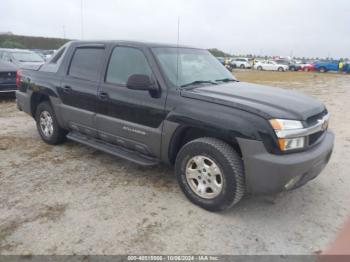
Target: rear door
{"x":271,"y":65}
{"x":78,"y":90}
{"x":130,"y":118}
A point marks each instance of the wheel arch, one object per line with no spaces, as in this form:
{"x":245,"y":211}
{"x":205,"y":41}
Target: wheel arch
{"x":42,"y":96}
{"x":185,"y":133}
{"x":36,"y":99}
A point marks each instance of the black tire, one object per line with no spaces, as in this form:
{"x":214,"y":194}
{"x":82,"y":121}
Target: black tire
{"x":58,"y":134}
{"x":242,"y":66}
{"x":259,"y":68}
{"x":280,"y":69}
{"x":229,"y":163}
{"x":306,"y":69}
{"x":293,"y":68}
{"x":323,"y":70}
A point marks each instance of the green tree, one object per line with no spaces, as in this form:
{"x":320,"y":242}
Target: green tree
{"x":11,"y":44}
{"x":218,"y":53}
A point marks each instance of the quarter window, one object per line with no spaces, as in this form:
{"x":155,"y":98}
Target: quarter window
{"x":124,"y":62}
{"x":86,"y":63}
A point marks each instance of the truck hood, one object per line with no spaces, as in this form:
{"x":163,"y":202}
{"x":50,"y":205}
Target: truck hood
{"x":268,"y":102}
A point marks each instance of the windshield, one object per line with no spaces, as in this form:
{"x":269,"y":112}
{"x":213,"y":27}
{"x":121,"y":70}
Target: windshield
{"x":27,"y":57}
{"x":183,"y":66}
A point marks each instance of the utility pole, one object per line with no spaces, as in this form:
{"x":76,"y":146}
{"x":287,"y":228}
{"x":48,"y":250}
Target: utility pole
{"x":81,"y":20}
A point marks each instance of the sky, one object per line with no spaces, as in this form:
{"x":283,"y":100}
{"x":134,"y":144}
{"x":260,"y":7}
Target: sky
{"x":311,"y":28}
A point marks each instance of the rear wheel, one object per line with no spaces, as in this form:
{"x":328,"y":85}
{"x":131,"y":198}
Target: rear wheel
{"x":306,"y":69}
{"x":323,"y":69}
{"x":242,"y":66}
{"x":259,"y":68}
{"x":210,"y":173}
{"x":280,"y":69}
{"x":47,"y":124}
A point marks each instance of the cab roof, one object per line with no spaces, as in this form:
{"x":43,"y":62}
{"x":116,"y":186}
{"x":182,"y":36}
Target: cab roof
{"x":127,"y":42}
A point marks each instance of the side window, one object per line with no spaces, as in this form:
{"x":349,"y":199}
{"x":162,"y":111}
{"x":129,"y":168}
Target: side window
{"x":57,"y":57}
{"x":86,"y":63}
{"x":124,"y":62}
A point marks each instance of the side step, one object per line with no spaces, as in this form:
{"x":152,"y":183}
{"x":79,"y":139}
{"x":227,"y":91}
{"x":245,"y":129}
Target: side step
{"x":115,"y":150}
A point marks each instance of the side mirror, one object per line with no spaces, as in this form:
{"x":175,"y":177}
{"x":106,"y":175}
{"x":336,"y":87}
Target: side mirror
{"x":140,"y":82}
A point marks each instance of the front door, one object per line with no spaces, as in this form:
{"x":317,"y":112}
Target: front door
{"x":78,"y":90}
{"x":130,"y":118}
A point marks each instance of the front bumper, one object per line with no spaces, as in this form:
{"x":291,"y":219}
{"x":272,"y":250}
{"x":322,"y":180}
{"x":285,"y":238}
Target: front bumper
{"x":268,"y":173}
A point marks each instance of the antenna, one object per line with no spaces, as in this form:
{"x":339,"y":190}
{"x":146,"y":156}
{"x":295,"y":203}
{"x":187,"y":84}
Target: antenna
{"x":81,"y":20}
{"x":177,"y":50}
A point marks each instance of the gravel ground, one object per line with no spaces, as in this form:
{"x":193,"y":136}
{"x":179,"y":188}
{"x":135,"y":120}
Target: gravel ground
{"x":71,"y":199}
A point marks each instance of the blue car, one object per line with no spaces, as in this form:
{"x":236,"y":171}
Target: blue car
{"x":324,"y":66}
{"x":346,"y":67}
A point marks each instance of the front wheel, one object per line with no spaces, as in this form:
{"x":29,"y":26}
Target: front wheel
{"x":210,"y":173}
{"x":280,"y":69}
{"x":259,"y":68}
{"x":242,"y":66}
{"x":322,"y":69}
{"x":47,"y":125}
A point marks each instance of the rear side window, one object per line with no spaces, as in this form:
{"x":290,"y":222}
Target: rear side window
{"x":124,"y":62}
{"x":57,"y":57}
{"x":86,"y":63}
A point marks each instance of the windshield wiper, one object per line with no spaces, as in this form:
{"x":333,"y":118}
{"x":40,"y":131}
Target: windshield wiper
{"x":199,"y":82}
{"x":226,"y":80}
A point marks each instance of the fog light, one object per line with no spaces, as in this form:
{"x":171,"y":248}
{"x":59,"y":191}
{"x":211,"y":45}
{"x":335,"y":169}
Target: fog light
{"x":291,"y":143}
{"x":292,"y":182}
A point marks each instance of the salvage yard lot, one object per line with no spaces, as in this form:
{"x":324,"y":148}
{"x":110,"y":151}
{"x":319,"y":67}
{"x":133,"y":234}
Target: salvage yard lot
{"x":71,"y":199}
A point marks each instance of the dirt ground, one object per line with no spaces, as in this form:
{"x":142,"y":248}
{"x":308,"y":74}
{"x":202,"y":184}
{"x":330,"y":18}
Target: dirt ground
{"x":71,"y":199}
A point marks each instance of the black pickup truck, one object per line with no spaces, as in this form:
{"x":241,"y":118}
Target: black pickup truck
{"x":152,"y":103}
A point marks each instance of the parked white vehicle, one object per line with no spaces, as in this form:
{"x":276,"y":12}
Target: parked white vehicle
{"x":270,"y":65}
{"x":241,"y":63}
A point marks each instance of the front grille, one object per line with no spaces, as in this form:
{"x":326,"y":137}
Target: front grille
{"x":312,"y":120}
{"x":313,"y":138}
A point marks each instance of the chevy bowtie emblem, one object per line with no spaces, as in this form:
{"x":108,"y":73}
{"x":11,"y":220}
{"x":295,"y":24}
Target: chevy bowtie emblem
{"x":324,"y":125}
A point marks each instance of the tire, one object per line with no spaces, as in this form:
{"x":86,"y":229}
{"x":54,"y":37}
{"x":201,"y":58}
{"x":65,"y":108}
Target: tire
{"x":225,"y":161}
{"x":259,"y":68}
{"x":306,"y":69}
{"x":241,"y":66}
{"x":292,"y":68}
{"x":45,"y":119}
{"x":280,"y":69}
{"x":322,"y":70}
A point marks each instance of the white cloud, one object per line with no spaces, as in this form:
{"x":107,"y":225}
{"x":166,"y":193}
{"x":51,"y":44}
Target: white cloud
{"x":310,"y":28}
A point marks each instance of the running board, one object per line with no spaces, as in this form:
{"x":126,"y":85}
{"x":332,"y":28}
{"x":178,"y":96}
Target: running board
{"x":115,"y":150}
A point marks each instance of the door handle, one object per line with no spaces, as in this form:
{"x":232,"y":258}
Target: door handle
{"x":67,"y":89}
{"x":103,"y":95}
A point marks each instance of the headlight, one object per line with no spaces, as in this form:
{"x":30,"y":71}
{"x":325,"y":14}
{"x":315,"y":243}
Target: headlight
{"x":282,"y":125}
